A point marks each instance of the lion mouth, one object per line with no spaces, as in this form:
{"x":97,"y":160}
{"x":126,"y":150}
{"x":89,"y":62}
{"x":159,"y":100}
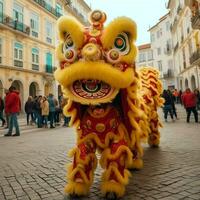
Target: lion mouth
{"x":91,"y":89}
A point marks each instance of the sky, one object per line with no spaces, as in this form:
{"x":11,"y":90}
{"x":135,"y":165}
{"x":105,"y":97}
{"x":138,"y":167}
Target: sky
{"x":146,"y":13}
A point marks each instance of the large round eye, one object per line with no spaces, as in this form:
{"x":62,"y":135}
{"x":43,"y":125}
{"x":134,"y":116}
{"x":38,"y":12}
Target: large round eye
{"x":69,"y":49}
{"x":121,"y":43}
{"x":68,"y":43}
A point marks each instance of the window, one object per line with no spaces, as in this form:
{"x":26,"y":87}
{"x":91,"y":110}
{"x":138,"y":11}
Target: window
{"x":34,"y":21}
{"x":1,"y":11}
{"x":1,"y":50}
{"x":190,"y":47}
{"x":49,"y":68}
{"x":59,"y":10}
{"x":158,"y":51}
{"x":170,"y":64}
{"x":142,"y":57}
{"x":49,"y":5}
{"x":158,"y":34}
{"x":18,"y":17}
{"x":167,"y":26}
{"x":152,"y":37}
{"x":49,"y":32}
{"x":35,"y":59}
{"x":18,"y":54}
{"x":160,"y":66}
{"x":150,"y":55}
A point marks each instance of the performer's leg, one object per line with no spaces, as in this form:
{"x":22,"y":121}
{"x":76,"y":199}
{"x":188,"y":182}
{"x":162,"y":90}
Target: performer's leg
{"x":80,"y":172}
{"x":115,"y":160}
{"x":154,"y":135}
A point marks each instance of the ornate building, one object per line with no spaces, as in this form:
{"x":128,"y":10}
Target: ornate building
{"x":185,"y":31}
{"x":27,"y":43}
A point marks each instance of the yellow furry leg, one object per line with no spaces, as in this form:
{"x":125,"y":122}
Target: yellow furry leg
{"x":136,"y":164}
{"x":154,"y":140}
{"x":79,"y":189}
{"x":112,"y":186}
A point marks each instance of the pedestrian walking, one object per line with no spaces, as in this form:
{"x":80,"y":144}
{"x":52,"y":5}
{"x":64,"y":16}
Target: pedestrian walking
{"x":6,"y":107}
{"x":52,"y":109}
{"x":1,"y":111}
{"x":29,"y":110}
{"x":189,"y":101}
{"x":45,"y":111}
{"x":167,"y":105}
{"x":14,"y":107}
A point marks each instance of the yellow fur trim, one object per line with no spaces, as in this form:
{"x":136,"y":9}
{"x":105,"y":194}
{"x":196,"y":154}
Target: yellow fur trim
{"x":79,"y":189}
{"x":60,"y":56}
{"x":111,"y":186}
{"x":136,"y":164}
{"x":106,"y":156}
{"x":70,"y":25}
{"x":94,"y":70}
{"x":113,"y":168}
{"x":119,"y":25}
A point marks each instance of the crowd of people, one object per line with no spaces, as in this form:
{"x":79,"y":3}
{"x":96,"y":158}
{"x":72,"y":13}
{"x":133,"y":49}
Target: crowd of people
{"x":41,"y":111}
{"x":190,"y":100}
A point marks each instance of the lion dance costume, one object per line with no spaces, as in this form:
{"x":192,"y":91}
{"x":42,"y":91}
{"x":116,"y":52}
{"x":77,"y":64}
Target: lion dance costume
{"x":112,"y":107}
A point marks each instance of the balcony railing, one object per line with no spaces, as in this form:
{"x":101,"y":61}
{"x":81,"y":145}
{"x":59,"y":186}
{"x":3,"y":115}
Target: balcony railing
{"x":50,"y":69}
{"x":14,"y":24}
{"x":18,"y":63}
{"x":35,"y":67}
{"x":195,"y":58}
{"x":48,"y":7}
{"x":196,"y":20}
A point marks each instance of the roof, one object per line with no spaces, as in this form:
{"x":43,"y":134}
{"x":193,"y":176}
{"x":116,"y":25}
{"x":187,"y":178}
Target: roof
{"x":144,"y":46}
{"x":160,"y":20}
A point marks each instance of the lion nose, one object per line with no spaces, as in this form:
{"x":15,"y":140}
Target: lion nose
{"x":91,"y":52}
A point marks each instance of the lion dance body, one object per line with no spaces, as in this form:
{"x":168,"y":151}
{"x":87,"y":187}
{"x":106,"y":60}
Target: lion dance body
{"x":112,"y":107}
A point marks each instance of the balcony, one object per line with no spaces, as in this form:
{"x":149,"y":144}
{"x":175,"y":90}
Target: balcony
{"x":196,"y":20}
{"x":176,"y":47}
{"x":15,"y":25}
{"x":50,"y":69}
{"x":48,"y":7}
{"x":195,"y":58}
{"x":168,"y":74}
{"x":35,"y":67}
{"x":18,"y":63}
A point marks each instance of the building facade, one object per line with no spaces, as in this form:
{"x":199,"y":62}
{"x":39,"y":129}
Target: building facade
{"x":145,"y":56}
{"x":27,"y":43}
{"x":186,"y":43}
{"x":161,"y":44}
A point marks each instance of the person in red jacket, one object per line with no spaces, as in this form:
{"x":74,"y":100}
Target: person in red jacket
{"x":190,"y":102}
{"x":13,"y":105}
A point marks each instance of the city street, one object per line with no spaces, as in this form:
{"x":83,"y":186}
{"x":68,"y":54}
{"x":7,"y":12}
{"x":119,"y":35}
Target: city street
{"x":33,"y":166}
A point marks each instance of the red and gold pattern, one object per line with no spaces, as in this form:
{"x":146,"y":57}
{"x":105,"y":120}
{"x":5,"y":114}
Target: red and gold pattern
{"x":98,"y":76}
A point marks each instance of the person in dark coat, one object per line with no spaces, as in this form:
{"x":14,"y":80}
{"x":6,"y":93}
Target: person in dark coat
{"x":14,"y":106}
{"x":29,"y":109}
{"x":167,"y":105}
{"x":1,"y":111}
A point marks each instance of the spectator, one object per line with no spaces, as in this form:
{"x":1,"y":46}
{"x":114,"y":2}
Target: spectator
{"x":179,"y":96}
{"x":173,"y":99}
{"x":1,"y":111}
{"x":37,"y":110}
{"x":197,"y":93}
{"x":14,"y":107}
{"x":189,"y":101}
{"x":167,"y":105}
{"x":175,"y":95}
{"x":45,"y":111}
{"x":66,"y":119}
{"x":29,"y":109}
{"x":6,"y":108}
{"x":51,"y":110}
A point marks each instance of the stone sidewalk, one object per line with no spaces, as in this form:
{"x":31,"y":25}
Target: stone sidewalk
{"x":32,"y":166}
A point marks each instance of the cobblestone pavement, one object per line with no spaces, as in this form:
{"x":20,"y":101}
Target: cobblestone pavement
{"x":32,"y":166}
